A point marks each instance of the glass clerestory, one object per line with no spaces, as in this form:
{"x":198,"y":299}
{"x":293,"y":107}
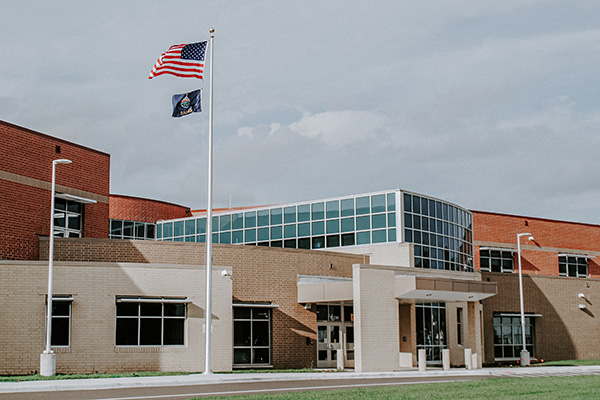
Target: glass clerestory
{"x":443,"y":240}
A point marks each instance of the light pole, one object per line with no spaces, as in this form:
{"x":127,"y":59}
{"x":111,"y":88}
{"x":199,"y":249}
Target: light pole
{"x":48,"y":358}
{"x":524,"y":352}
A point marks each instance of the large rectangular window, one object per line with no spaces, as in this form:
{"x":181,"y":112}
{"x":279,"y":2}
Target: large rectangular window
{"x":573,"y":266}
{"x":459,"y":326}
{"x":496,"y":260}
{"x":68,"y":218}
{"x":508,"y":340}
{"x":124,"y":229}
{"x":150,"y":322}
{"x":251,"y":336}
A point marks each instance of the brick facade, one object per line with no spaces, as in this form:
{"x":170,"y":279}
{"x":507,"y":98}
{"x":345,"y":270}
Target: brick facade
{"x":25,"y":184}
{"x":259,"y":274}
{"x":564,"y":331}
{"x":144,"y":210}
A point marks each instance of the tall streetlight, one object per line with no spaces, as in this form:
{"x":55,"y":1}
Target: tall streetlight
{"x":524,"y":352}
{"x":48,"y":358}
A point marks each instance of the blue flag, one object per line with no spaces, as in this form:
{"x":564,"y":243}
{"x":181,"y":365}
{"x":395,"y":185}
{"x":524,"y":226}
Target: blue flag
{"x":186,"y":103}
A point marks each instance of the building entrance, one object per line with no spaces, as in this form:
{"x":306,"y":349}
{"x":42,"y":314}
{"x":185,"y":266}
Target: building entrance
{"x":335,"y":331}
{"x":431,"y":330}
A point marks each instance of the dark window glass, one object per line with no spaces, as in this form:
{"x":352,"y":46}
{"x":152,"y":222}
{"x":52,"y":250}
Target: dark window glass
{"x":318,"y":242}
{"x":348,"y":239}
{"x":304,"y":243}
{"x":333,"y":241}
{"x":407,"y":202}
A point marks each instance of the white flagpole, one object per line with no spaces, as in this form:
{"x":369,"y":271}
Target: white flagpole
{"x":208,"y":310}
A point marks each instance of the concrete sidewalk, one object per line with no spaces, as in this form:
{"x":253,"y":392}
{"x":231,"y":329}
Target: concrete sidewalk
{"x":200,"y":379}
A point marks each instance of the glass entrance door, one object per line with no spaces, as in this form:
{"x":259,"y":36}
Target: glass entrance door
{"x":431,"y":330}
{"x":335,"y":332}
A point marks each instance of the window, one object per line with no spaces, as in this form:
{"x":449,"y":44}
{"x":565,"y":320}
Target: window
{"x":496,"y":260}
{"x":150,"y":322}
{"x":124,"y":229}
{"x":459,"y":326}
{"x":575,"y":266}
{"x":251,"y":336}
{"x":68,"y":218}
{"x":61,"y":321}
{"x":508,"y":341}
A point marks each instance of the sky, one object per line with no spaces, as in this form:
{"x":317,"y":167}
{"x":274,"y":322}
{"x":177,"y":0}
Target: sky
{"x":492,"y":105}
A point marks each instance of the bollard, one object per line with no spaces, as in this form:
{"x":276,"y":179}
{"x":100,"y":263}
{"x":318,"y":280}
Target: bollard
{"x":446,"y":359}
{"x":422,"y":359}
{"x":474,"y":361}
{"x":468,"y":359}
{"x":340,"y":359}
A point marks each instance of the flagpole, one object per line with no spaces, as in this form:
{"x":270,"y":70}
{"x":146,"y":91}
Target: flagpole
{"x":208,"y":310}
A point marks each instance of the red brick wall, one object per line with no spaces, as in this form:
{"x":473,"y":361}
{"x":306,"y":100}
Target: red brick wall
{"x":539,"y":257}
{"x":144,"y":210}
{"x":25,"y":177}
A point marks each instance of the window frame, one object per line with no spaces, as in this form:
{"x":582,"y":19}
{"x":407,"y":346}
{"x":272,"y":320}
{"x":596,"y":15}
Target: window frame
{"x":59,"y":299}
{"x":139,"y":317}
{"x":515,"y":327}
{"x":505,"y":255}
{"x":252,"y":309}
{"x":564,"y":267}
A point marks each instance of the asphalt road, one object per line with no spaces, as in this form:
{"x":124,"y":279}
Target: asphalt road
{"x":188,"y":386}
{"x":227,"y":389}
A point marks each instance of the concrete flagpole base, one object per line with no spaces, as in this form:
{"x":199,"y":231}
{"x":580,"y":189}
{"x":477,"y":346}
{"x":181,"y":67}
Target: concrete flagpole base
{"x":47,"y":364}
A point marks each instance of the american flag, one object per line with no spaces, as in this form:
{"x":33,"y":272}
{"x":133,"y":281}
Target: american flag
{"x":182,"y":60}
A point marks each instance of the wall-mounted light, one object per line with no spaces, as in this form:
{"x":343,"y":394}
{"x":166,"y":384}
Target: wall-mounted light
{"x":581,"y":296}
{"x":582,"y":306}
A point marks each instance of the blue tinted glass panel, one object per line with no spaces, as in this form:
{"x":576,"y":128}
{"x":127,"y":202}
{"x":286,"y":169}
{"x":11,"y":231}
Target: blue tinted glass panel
{"x":289,"y":231}
{"x":276,"y":216}
{"x":391,"y":202}
{"x":378,"y":203}
{"x":347,"y":224}
{"x":424,"y":207}
{"x":408,"y":220}
{"x":391,"y":235}
{"x":225,"y":223}
{"x":304,"y":213}
{"x":159,"y":231}
{"x":333,"y":226}
{"x":318,"y":228}
{"x":179,"y":239}
{"x":407,"y":202}
{"x":318,"y":242}
{"x":408,"y":236}
{"x":363,"y":223}
{"x":333,"y":209}
{"x":250,"y":235}
{"x":201,"y":238}
{"x":215,"y":224}
{"x":438,"y":210}
{"x":431,"y":208}
{"x":347,"y":207}
{"x":379,"y":221}
{"x":237,"y":237}
{"x":289,"y":215}
{"x":362,"y":205}
{"x":263,"y":234}
{"x":363,"y":238}
{"x":392,"y":219}
{"x":250,"y":219}
{"x":190,"y":238}
{"x":416,"y":204}
{"x":226,"y":237}
{"x":416,"y":222}
{"x":190,"y":227}
{"x":215,"y":238}
{"x":263,"y":218}
{"x":318,"y":211}
{"x":276,"y":232}
{"x":178,"y":228}
{"x":304,"y":229}
{"x":237,"y":221}
{"x":201,"y":225}
{"x":379,"y":236}
{"x":168,"y":230}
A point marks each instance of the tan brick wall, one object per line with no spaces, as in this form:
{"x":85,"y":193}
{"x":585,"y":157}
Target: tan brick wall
{"x":259,"y":274}
{"x":94,"y":287}
{"x":564,"y":332}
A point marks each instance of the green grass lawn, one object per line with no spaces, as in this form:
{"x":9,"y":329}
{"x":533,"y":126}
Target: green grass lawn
{"x":570,"y":387}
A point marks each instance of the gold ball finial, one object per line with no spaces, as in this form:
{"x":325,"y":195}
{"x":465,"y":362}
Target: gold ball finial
{"x":212,"y":30}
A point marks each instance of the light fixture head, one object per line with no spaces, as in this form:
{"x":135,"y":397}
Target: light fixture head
{"x":582,"y":306}
{"x":62,"y":161}
{"x":530,"y":238}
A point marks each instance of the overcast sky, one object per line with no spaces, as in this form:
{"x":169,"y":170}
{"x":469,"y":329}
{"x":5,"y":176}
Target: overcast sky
{"x":493,"y":105}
